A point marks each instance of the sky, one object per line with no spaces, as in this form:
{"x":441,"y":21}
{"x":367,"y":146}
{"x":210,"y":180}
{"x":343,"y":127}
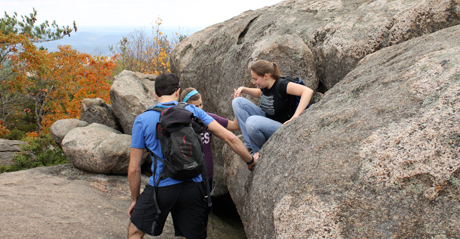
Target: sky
{"x":174,"y":13}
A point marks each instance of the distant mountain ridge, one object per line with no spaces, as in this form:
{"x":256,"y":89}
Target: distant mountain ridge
{"x":96,"y":39}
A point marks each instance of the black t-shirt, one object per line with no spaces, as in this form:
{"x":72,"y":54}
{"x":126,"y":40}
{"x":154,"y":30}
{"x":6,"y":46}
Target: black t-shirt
{"x":276,"y":108}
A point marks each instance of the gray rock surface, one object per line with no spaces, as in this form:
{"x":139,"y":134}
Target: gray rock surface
{"x":65,"y":202}
{"x":131,"y":94}
{"x":377,"y":157}
{"x":98,"y":148}
{"x":97,"y":111}
{"x":219,"y":180}
{"x":60,"y":128}
{"x":8,"y":148}
{"x":317,"y":40}
{"x":219,"y":164}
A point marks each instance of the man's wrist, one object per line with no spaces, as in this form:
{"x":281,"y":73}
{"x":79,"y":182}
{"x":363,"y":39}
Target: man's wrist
{"x":252,"y":160}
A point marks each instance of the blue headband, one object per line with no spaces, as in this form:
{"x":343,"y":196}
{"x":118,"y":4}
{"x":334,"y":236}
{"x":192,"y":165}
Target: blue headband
{"x":192,"y":93}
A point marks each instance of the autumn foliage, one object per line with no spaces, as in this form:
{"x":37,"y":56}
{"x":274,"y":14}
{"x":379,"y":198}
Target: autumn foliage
{"x":38,"y":87}
{"x":55,"y":82}
{"x":3,"y":130}
{"x":146,"y":53}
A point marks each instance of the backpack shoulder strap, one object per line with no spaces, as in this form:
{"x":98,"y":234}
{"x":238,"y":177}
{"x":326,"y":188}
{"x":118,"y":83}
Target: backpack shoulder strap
{"x":278,"y":91}
{"x":155,"y":108}
{"x":289,"y":79}
{"x":162,"y":107}
{"x":182,"y":104}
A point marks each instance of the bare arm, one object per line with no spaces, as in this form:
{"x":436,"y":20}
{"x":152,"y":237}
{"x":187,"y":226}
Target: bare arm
{"x":305,"y":94}
{"x":134,"y":175}
{"x":233,"y":125}
{"x":235,"y":144}
{"x":254,"y":92}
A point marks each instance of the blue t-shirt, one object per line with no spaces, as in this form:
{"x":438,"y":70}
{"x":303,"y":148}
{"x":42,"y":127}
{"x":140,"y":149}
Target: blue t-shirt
{"x":144,"y":132}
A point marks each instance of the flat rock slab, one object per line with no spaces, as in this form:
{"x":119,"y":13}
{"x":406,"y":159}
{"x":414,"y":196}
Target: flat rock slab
{"x":64,"y":202}
{"x":8,"y":148}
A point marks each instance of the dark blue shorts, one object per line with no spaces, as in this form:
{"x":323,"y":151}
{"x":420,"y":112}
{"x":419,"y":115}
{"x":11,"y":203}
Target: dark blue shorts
{"x":186,"y":202}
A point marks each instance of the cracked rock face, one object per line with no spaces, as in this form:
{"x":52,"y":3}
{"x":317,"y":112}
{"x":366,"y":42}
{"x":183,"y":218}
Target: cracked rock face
{"x":377,"y":157}
{"x":319,"y":41}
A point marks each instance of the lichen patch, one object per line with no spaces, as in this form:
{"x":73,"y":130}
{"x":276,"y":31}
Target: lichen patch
{"x":309,"y":217}
{"x":425,"y":144}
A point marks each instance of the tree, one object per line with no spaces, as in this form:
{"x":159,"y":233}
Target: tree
{"x":142,"y":53}
{"x":10,"y":101}
{"x":47,"y":85}
{"x":41,"y":33}
{"x":57,"y":82}
{"x":15,"y":36}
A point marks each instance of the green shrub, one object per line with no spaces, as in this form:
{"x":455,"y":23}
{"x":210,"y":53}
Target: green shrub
{"x":15,"y":134}
{"x":3,"y":168}
{"x":38,"y":152}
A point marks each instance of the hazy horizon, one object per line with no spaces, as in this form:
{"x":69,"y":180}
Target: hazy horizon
{"x":96,"y":39}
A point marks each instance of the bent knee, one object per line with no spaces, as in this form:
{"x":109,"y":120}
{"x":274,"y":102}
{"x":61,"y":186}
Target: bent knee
{"x":237,"y":102}
{"x":253,"y":122}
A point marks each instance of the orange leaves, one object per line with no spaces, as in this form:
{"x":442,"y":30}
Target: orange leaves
{"x":3,"y":130}
{"x":58,"y":81}
{"x":31,"y":135}
{"x":145,"y":53}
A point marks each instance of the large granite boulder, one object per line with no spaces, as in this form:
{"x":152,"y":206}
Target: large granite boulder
{"x":131,"y":94}
{"x":317,"y":40}
{"x":8,"y":148}
{"x":377,"y":157}
{"x":97,"y":148}
{"x":291,"y":54}
{"x":60,"y":128}
{"x":97,"y":111}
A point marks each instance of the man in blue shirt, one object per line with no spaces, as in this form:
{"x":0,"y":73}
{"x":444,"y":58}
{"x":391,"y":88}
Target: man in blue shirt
{"x":184,"y":199}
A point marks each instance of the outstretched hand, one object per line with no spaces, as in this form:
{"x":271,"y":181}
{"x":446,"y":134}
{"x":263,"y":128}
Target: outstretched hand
{"x":256,"y":158}
{"x":237,"y":92}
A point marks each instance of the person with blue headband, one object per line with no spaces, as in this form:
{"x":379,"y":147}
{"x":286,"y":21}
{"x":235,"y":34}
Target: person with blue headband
{"x":191,"y":96}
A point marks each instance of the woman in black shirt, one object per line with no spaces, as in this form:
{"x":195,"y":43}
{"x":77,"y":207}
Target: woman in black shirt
{"x":259,"y":123}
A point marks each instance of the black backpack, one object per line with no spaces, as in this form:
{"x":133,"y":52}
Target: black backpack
{"x":179,"y":133}
{"x":292,"y":99}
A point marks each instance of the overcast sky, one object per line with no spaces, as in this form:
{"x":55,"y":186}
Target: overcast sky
{"x":174,"y":13}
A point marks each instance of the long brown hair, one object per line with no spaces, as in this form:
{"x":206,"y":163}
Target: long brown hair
{"x":262,"y":67}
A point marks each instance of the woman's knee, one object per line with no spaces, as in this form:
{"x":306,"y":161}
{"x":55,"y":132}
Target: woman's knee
{"x":252,"y":123}
{"x":236,"y":103}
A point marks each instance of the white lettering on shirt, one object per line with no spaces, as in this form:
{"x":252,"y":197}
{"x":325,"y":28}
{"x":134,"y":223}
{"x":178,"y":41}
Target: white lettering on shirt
{"x":205,"y":137}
